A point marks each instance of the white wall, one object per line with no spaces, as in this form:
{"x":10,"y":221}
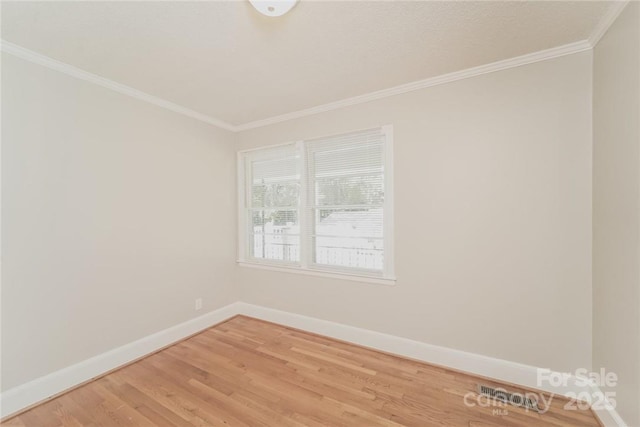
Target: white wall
{"x":616,"y":209}
{"x":116,"y":215}
{"x":494,"y":174}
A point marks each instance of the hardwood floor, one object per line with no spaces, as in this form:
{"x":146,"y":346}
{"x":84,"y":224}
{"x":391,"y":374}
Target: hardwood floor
{"x":246,"y":372}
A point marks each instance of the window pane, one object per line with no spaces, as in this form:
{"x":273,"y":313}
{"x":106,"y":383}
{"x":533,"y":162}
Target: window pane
{"x":349,"y":222}
{"x":350,"y":190}
{"x":271,"y":221}
{"x":352,"y":252}
{"x":275,"y":235}
{"x":275,"y":182}
{"x":284,"y":194}
{"x":277,"y":247}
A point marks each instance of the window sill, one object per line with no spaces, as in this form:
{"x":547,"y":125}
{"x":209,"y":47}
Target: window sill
{"x":320,"y":273}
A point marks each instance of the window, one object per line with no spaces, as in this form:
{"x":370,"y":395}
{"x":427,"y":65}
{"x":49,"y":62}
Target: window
{"x":321,"y":206}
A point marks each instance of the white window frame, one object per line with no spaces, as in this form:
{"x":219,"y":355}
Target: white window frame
{"x":306,"y":265}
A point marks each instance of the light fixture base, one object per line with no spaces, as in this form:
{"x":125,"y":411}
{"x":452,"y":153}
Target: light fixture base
{"x":273,"y":7}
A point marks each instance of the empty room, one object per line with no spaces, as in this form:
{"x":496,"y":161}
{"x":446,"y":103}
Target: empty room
{"x":290,"y":213}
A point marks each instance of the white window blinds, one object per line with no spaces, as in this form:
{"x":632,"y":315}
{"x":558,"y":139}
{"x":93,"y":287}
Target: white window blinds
{"x":273,"y":204}
{"x":323,"y":204}
{"x":346,"y":190}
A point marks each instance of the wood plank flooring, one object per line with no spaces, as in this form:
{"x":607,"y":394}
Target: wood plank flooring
{"x":246,"y":372}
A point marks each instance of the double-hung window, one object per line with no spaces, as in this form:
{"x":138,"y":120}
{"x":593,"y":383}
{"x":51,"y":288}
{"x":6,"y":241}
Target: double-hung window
{"x":322,"y":206}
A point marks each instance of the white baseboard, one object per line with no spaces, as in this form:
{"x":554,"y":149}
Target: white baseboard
{"x":607,"y":414}
{"x":40,"y":389}
{"x":503,"y":370}
{"x":25,"y":395}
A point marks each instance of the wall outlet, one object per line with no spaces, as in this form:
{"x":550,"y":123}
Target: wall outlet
{"x":198,"y":304}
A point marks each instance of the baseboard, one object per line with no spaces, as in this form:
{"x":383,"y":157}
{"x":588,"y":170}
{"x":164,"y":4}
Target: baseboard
{"x":607,"y":413}
{"x":40,"y":389}
{"x":503,"y":370}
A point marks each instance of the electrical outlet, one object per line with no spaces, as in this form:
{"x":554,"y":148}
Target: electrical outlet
{"x":198,"y":304}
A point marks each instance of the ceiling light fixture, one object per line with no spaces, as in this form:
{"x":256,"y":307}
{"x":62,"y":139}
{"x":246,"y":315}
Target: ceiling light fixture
{"x":273,"y":7}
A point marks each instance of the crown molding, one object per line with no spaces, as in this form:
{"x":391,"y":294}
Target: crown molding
{"x":517,"y":61}
{"x":606,"y":21}
{"x":70,"y":70}
{"x":599,"y":31}
{"x":529,"y":58}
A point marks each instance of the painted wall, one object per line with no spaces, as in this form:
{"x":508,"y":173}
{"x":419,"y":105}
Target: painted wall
{"x":116,"y":215}
{"x":493,"y":173}
{"x":492,"y":217}
{"x":616,"y":209}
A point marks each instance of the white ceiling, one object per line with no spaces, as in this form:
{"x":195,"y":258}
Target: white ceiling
{"x":226,"y":61}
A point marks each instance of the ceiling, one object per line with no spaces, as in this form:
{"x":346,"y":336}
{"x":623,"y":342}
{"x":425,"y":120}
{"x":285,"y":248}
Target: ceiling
{"x":224,"y":60}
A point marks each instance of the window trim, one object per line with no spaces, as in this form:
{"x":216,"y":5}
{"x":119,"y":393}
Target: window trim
{"x":306,"y":266}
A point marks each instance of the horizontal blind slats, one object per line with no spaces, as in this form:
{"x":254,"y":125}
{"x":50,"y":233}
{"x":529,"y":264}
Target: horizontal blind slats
{"x":346,"y":195}
{"x":272,"y":213}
